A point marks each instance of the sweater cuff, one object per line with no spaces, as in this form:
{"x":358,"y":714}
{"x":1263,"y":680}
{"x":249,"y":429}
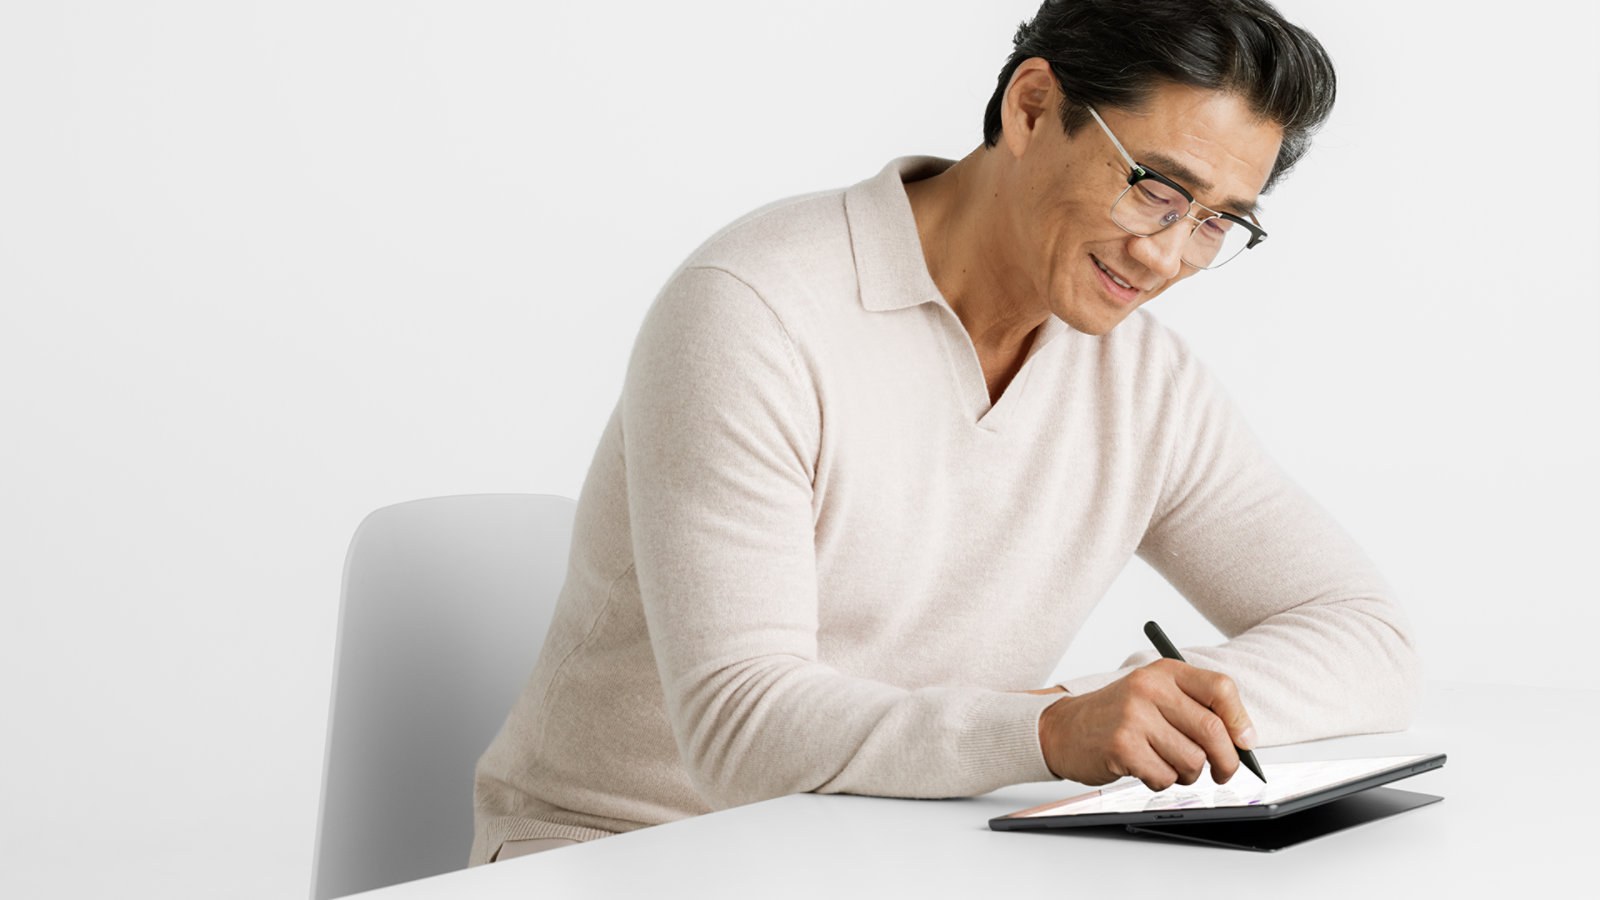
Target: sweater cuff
{"x":1087,"y":683}
{"x":999,"y":742}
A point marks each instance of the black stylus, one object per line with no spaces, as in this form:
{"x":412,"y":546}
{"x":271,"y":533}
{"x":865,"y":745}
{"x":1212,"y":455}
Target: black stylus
{"x":1165,"y":648}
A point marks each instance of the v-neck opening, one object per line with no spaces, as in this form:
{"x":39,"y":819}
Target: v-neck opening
{"x":966,"y":369}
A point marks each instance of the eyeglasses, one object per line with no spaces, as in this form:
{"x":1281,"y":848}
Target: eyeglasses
{"x":1152,"y":203}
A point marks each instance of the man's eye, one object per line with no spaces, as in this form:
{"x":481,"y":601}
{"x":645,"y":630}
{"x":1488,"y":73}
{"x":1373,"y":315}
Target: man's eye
{"x":1153,"y":198}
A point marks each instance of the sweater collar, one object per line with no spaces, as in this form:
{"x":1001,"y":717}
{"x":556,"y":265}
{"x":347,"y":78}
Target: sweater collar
{"x":883,"y":235}
{"x":890,"y":268}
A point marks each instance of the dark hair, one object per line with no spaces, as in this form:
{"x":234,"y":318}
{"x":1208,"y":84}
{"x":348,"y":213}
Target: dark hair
{"x":1113,"y":53}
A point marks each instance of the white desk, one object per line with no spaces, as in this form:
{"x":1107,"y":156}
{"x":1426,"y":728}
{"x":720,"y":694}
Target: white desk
{"x":1482,"y":840}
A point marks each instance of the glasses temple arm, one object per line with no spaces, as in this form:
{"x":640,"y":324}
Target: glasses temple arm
{"x":1126,"y":158}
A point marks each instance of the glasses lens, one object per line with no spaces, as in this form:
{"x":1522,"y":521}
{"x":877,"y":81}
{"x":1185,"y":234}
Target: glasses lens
{"x":1215,"y":241}
{"x":1148,"y":206}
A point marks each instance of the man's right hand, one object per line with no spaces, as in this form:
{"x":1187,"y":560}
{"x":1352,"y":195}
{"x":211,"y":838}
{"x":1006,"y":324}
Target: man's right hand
{"x":1160,"y":724}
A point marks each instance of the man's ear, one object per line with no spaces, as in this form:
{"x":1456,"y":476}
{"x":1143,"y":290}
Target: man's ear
{"x":1032,"y":99}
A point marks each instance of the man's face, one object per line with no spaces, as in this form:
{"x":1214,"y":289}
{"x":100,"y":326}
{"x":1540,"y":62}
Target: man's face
{"x":1073,"y":254}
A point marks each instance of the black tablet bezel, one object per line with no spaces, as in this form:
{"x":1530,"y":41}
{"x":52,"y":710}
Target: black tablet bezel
{"x":1412,"y":766}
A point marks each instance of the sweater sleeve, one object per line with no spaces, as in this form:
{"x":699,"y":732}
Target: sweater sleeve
{"x":1316,"y":642}
{"x":721,"y":430}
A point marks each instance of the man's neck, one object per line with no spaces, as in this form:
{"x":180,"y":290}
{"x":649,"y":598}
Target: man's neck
{"x":964,"y":242}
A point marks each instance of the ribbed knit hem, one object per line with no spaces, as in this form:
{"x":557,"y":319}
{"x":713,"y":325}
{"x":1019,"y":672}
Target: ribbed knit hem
{"x":999,"y":741}
{"x":516,"y":828}
{"x":1077,"y":687}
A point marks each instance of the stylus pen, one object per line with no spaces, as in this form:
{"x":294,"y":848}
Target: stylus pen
{"x":1165,"y":648}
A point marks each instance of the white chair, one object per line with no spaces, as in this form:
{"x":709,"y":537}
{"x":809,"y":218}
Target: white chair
{"x":445,"y":606}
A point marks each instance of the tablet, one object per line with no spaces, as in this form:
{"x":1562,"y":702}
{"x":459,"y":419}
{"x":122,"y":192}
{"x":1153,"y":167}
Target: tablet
{"x":1291,"y":787}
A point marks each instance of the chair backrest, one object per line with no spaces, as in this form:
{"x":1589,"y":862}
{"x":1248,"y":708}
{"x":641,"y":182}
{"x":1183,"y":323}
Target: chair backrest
{"x":445,"y":606}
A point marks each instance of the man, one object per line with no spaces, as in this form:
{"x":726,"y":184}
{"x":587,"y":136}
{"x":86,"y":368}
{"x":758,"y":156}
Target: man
{"x":880,"y":451}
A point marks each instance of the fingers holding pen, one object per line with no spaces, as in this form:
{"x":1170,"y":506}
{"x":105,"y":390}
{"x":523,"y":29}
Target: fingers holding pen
{"x":1193,"y":734}
{"x":1156,"y":724}
{"x":1200,"y":711}
{"x":1218,"y":694}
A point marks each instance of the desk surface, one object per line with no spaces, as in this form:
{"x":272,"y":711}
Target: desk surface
{"x":1482,"y":838}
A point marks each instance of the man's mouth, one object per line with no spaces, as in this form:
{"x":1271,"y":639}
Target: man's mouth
{"x":1112,"y":275}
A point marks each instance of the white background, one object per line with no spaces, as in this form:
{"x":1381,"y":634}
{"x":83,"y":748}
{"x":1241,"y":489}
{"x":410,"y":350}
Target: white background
{"x":267,"y":266}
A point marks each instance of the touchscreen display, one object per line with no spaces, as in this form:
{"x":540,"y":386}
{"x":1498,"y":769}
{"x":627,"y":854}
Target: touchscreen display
{"x":1288,"y":780}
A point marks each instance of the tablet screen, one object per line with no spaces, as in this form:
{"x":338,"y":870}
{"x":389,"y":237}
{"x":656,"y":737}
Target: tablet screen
{"x":1288,"y":780}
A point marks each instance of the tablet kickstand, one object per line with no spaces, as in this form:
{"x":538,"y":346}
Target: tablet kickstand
{"x":1299,"y":827}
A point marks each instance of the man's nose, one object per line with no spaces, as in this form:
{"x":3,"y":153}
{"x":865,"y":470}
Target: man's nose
{"x":1162,"y":252}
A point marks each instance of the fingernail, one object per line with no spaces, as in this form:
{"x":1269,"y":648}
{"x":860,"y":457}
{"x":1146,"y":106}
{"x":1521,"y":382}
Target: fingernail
{"x":1247,"y":738}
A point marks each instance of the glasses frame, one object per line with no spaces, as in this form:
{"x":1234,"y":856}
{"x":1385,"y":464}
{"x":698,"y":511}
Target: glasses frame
{"x":1140,"y":173}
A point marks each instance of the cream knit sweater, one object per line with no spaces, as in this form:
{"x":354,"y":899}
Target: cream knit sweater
{"x":811,"y":556}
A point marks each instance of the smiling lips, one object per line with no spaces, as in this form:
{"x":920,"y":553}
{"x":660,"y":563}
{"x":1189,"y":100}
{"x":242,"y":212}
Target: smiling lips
{"x":1114,"y":283}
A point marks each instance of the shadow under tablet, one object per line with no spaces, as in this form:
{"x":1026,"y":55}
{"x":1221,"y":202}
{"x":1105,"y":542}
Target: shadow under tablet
{"x":1296,"y":828}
